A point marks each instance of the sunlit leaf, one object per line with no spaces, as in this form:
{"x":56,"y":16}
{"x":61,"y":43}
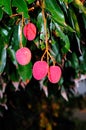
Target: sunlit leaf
{"x":21,"y":7}
{"x":78,"y":4}
{"x":30,"y":1}
{"x":40,"y":25}
{"x":7,"y":6}
{"x":55,"y":10}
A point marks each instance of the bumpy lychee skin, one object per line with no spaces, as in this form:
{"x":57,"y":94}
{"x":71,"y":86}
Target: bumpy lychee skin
{"x":30,"y":31}
{"x":54,"y":74}
{"x":40,"y":69}
{"x":23,"y":56}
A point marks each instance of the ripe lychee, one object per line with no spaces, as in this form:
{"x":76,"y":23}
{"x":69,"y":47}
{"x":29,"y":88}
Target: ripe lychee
{"x":30,"y":31}
{"x":54,"y":74}
{"x":23,"y":56}
{"x":40,"y":69}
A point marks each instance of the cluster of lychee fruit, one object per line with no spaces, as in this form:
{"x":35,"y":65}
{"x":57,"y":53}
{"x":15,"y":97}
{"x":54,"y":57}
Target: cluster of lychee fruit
{"x":23,"y":55}
{"x":40,"y":69}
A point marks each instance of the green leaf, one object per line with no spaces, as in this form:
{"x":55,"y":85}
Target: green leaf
{"x":40,"y":21}
{"x":82,"y":61}
{"x":5,"y":34}
{"x":20,"y":33}
{"x":74,"y":22}
{"x":3,"y":56}
{"x":55,"y":10}
{"x":78,"y":4}
{"x":68,"y":1}
{"x":7,"y":6}
{"x":21,"y":7}
{"x":84,"y":20}
{"x":1,"y":13}
{"x":30,"y":1}
{"x":55,"y":46}
{"x":67,"y":27}
{"x":57,"y":14}
{"x":40,"y":25}
{"x":65,"y":39}
{"x":11,"y":53}
{"x":55,"y":50}
{"x":11,"y":71}
{"x":1,"y":3}
{"x":74,"y":61}
{"x":15,"y":40}
{"x":25,"y":72}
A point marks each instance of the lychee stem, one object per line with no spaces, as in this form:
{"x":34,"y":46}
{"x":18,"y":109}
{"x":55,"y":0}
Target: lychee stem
{"x":21,"y":27}
{"x":46,"y":36}
{"x":45,"y":27}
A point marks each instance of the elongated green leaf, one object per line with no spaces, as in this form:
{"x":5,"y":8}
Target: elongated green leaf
{"x":15,"y":40}
{"x":80,"y":6}
{"x":30,"y":1}
{"x":74,"y":22}
{"x":25,"y":72}
{"x":21,"y":7}
{"x":1,"y":13}
{"x":67,"y":27}
{"x":11,"y":53}
{"x":40,"y":25}
{"x":1,"y":2}
{"x":4,"y":33}
{"x":74,"y":61}
{"x":55,"y":11}
{"x":66,"y":46}
{"x":84,"y":20}
{"x":82,"y":61}
{"x":21,"y":36}
{"x":56,"y":52}
{"x":7,"y":6}
{"x":68,"y":1}
{"x":57,"y":14}
{"x":3,"y":56}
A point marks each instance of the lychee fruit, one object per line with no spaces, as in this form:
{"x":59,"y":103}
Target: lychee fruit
{"x":23,"y":56}
{"x":54,"y":74}
{"x":40,"y":69}
{"x":29,"y":31}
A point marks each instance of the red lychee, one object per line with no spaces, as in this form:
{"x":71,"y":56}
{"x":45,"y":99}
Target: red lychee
{"x":30,"y":31}
{"x":54,"y":74}
{"x":23,"y":56}
{"x":40,"y":69}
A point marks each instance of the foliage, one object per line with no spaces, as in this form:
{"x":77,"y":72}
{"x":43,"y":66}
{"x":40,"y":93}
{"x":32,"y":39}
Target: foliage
{"x":66,"y":31}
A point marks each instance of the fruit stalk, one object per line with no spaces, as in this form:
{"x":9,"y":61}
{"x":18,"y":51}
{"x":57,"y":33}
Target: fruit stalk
{"x":20,"y":34}
{"x":45,"y":28}
{"x":46,"y":36}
